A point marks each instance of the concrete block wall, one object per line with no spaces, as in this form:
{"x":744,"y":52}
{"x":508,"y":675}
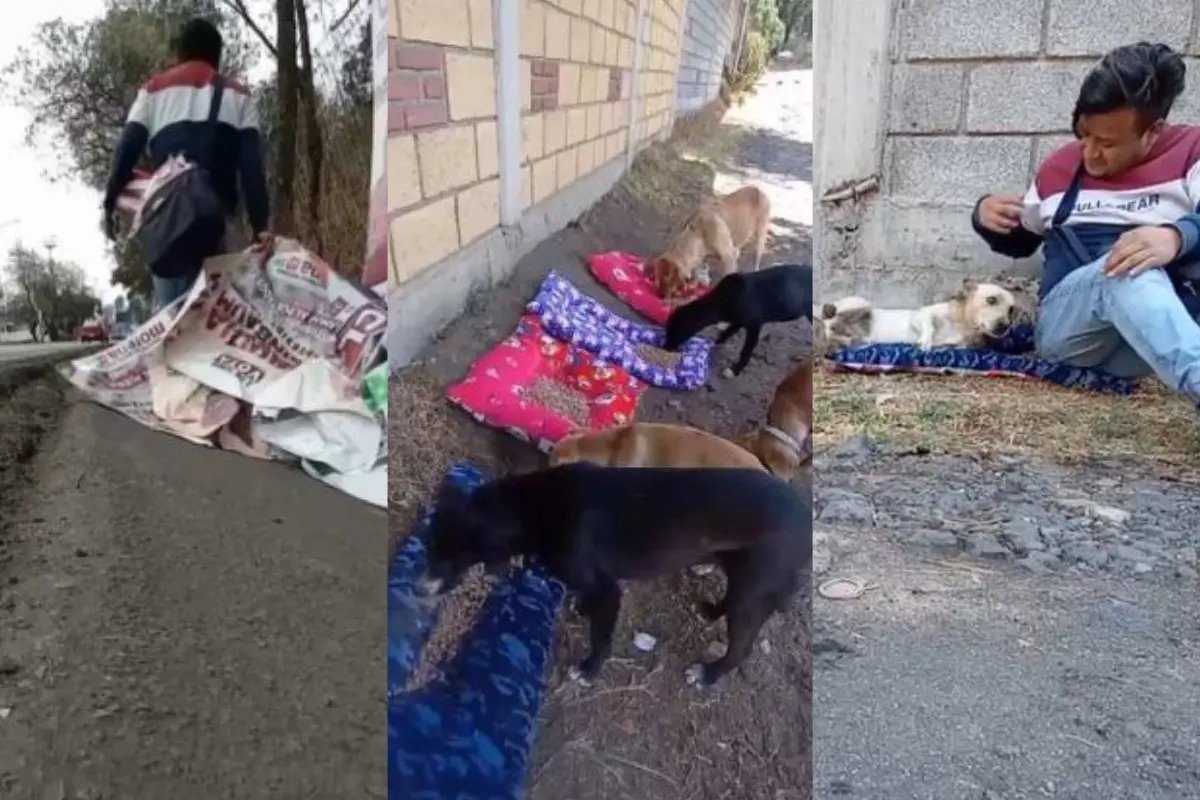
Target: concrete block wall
{"x":975,"y":94}
{"x":578,"y":59}
{"x":710,"y":27}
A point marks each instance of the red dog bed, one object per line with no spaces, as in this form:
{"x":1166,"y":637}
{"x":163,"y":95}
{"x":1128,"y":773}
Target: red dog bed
{"x":624,"y":275}
{"x":540,"y":389}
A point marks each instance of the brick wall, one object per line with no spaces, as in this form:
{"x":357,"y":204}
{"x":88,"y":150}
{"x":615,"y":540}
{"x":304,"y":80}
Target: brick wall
{"x":660,"y":66}
{"x":980,"y":91}
{"x":442,"y":153}
{"x":576,"y":61}
{"x":708,"y":34}
{"x":445,"y":175}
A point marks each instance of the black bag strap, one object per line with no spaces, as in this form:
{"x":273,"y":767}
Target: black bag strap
{"x":1065,"y":207}
{"x":214,"y":111}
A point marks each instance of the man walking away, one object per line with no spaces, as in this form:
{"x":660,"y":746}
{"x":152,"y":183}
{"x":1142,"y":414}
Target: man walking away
{"x":1117,"y":212}
{"x":193,"y":111}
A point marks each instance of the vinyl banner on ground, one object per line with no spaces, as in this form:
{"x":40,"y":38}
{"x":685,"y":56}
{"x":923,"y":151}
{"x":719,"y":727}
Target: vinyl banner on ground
{"x":266,"y":359}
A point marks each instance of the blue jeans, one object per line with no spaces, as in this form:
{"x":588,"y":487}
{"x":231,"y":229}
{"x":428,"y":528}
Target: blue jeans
{"x":168,"y":290}
{"x":1128,"y":327}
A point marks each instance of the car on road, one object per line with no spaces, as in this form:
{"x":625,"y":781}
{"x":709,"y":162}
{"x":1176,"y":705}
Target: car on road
{"x":93,"y":331}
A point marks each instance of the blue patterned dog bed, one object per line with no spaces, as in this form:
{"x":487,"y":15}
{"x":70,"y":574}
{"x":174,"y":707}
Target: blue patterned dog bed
{"x":468,"y":734}
{"x":570,"y":315}
{"x":969,"y":361}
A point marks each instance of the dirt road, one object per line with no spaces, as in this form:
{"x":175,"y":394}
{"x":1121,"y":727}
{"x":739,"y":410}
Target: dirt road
{"x":177,"y":622}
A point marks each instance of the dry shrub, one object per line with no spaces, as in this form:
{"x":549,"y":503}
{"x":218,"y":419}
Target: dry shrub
{"x":340,"y":233}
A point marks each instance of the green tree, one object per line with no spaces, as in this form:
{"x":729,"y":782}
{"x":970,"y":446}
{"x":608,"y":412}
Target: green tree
{"x":797,"y":19}
{"x":51,"y":298}
{"x":765,"y":20}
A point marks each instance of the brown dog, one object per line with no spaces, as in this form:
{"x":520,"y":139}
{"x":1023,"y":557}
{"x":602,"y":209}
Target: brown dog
{"x":721,"y":229}
{"x":783,"y":443}
{"x":652,"y":444}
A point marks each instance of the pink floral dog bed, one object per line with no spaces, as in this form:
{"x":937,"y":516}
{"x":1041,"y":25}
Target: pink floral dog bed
{"x":624,"y":275}
{"x":541,"y":389}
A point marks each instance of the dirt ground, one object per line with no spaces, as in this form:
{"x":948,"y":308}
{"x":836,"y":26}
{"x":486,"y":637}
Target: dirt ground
{"x":640,"y":733}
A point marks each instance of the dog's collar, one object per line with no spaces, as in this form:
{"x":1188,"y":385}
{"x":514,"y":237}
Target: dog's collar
{"x":784,"y":437}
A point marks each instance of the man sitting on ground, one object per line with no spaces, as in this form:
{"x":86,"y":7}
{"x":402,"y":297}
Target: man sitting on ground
{"x":1117,"y":213}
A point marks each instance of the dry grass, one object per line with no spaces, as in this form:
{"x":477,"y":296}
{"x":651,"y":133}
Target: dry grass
{"x":424,"y":437}
{"x":949,"y":414}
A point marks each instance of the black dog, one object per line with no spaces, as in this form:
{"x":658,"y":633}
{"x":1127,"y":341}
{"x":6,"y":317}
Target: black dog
{"x":593,"y":526}
{"x":745,"y":301}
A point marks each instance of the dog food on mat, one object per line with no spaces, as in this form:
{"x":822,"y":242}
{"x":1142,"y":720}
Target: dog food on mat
{"x":469,"y":732}
{"x":574,"y":317}
{"x":625,"y":276}
{"x":877,"y":358}
{"x":541,"y":389}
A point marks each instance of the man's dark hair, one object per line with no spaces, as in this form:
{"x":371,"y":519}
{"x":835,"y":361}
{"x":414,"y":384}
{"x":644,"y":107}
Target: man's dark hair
{"x":199,"y":40}
{"x":1146,"y":77}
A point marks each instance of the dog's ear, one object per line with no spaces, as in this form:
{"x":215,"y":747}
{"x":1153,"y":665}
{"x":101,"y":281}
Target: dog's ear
{"x":969,"y":285}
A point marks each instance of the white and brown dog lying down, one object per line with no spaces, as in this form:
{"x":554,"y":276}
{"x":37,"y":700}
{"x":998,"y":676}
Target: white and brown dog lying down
{"x":972,"y":316}
{"x":720,"y":229}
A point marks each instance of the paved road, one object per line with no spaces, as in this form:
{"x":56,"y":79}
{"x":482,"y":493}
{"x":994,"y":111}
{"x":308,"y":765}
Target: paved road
{"x":29,"y":351}
{"x":978,"y":679}
{"x":182,"y":623}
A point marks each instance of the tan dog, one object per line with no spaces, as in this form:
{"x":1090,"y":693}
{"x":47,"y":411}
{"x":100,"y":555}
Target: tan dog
{"x":783,"y":443}
{"x":720,"y":229}
{"x":974,"y":314}
{"x":652,"y":444}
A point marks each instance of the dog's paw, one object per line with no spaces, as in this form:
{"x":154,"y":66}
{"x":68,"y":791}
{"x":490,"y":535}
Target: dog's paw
{"x":727,"y":372}
{"x":577,"y":675}
{"x":696,"y":676}
{"x":703,"y":569}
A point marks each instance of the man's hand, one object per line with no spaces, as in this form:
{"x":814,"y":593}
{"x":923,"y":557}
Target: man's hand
{"x":1000,"y":213}
{"x":1142,"y":249}
{"x":263,"y":246}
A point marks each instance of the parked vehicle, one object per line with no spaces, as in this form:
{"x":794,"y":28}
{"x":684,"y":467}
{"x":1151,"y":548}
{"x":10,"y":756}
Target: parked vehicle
{"x":93,"y":331}
{"x":120,"y":332}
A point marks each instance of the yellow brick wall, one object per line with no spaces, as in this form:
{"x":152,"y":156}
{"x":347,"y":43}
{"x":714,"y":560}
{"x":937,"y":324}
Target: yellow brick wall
{"x":576,"y":60}
{"x":660,"y":65}
{"x":584,"y":127}
{"x":442,"y":154}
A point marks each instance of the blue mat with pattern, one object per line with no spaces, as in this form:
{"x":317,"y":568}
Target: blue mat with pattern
{"x":468,"y":734}
{"x":1011,"y":357}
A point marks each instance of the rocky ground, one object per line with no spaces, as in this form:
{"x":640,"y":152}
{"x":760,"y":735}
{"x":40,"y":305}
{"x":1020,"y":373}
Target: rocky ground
{"x":1118,"y":517}
{"x":1028,"y":629}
